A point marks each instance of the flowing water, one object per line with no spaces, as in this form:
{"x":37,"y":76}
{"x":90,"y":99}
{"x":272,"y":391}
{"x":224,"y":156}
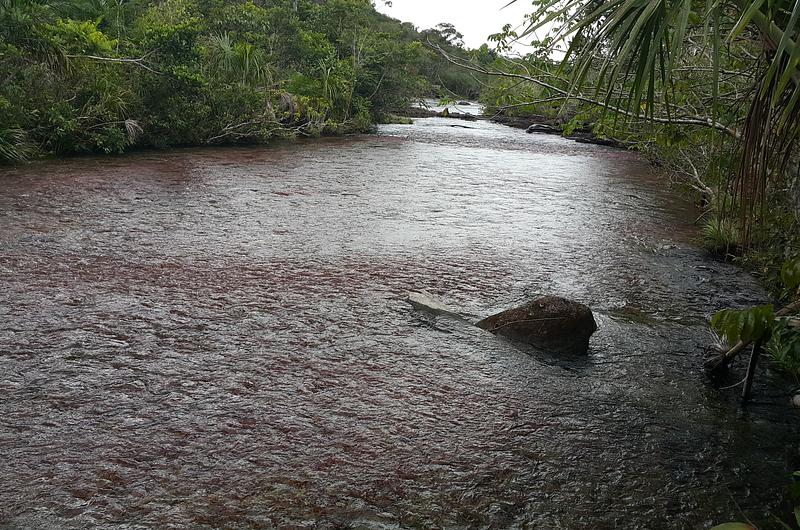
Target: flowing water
{"x":219,"y":338}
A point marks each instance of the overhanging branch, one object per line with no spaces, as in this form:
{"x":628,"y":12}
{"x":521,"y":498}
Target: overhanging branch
{"x":700,"y":121}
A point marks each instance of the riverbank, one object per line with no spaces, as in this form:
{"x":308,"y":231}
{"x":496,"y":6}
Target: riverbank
{"x":538,"y":124}
{"x":169,"y":74}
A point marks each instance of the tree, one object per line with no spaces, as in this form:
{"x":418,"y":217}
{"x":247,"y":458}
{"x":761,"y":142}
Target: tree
{"x":450,"y":34}
{"x":100,"y":75}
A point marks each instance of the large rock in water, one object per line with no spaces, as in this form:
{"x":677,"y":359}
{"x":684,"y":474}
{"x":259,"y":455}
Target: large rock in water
{"x":550,"y":323}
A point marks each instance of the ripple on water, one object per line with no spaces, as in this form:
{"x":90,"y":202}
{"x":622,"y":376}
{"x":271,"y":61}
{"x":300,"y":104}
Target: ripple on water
{"x":217,"y":338}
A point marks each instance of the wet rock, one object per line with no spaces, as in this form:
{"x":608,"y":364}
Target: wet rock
{"x":796,"y":401}
{"x":542,"y":128}
{"x":549,"y":323}
{"x":589,"y":138}
{"x":465,"y":103}
{"x":522,"y":122}
{"x":461,"y":116}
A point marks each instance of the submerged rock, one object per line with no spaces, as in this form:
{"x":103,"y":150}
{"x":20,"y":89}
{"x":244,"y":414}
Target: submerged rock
{"x":549,"y":323}
{"x":426,"y":302}
{"x":543,"y":128}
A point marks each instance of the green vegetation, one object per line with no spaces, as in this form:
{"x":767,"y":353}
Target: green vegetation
{"x":102,"y":76}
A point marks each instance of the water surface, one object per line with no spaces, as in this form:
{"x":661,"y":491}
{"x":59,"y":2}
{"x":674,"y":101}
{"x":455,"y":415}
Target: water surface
{"x":218,"y":338}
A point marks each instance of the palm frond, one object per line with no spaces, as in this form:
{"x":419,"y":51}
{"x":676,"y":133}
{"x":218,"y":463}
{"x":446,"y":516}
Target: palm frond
{"x":14,"y":145}
{"x":237,"y":61}
{"x":630,"y":50}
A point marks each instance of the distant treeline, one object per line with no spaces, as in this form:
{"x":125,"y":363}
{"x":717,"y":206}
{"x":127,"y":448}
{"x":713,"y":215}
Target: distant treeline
{"x":85,"y":76}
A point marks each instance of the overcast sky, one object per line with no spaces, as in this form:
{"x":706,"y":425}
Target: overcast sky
{"x":476,"y":19}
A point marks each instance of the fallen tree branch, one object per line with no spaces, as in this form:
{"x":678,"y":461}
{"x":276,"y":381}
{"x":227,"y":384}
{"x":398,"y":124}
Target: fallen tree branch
{"x":698,"y":183}
{"x":258,"y":127}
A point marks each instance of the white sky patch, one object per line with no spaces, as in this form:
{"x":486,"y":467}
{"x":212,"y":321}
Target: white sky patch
{"x":476,"y":19}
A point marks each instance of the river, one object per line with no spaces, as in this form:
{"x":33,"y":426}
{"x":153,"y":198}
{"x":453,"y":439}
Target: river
{"x":218,"y":338}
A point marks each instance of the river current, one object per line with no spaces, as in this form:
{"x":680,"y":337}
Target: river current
{"x":219,"y":338}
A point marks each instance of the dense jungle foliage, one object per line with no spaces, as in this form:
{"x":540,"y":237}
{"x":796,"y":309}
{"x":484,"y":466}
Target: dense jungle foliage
{"x":81,"y":76}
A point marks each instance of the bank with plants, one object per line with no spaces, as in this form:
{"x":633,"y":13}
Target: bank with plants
{"x":108,"y":76}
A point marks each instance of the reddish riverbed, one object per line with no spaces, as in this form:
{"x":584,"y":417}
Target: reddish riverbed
{"x":218,"y":338}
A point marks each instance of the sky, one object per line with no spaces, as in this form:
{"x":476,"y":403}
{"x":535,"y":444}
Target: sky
{"x":476,"y":19}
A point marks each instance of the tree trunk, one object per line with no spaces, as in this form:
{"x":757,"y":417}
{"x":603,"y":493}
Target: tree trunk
{"x":751,"y":371}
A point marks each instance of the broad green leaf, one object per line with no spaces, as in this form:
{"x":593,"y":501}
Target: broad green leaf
{"x":747,"y":324}
{"x":794,"y":50}
{"x":790,"y":274}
